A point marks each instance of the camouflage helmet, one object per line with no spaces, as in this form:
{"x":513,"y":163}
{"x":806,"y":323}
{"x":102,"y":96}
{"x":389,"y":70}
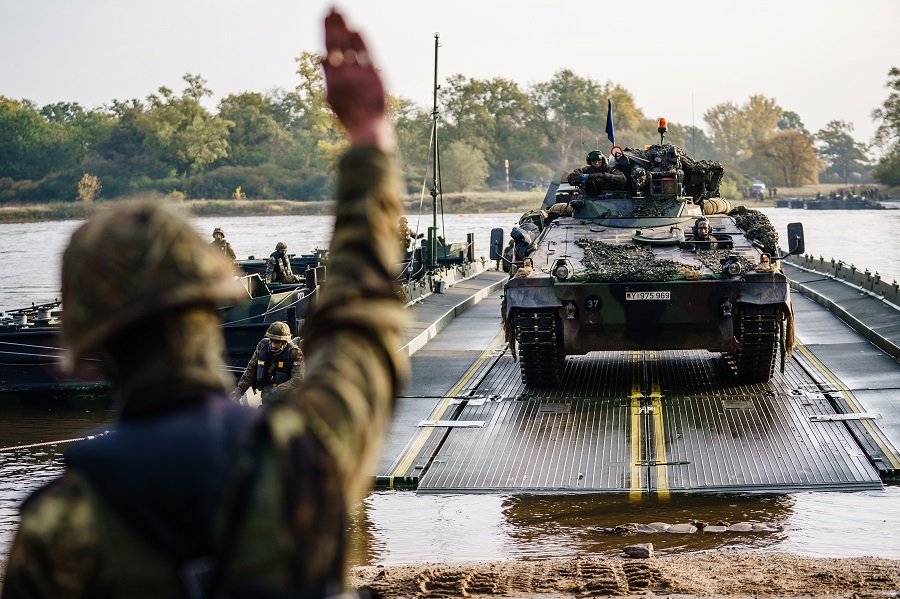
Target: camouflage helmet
{"x":596,"y":155}
{"x":280,"y":246}
{"x":218,"y":230}
{"x":131,"y":261}
{"x":279,"y":331}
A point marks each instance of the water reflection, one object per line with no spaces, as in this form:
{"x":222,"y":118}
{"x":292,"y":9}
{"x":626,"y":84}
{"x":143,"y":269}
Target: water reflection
{"x":396,"y":527}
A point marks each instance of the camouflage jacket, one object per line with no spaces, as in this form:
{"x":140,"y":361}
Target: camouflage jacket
{"x":597,"y":180}
{"x":323,"y":439}
{"x":278,"y":269}
{"x":225,"y":247}
{"x":290,"y":354}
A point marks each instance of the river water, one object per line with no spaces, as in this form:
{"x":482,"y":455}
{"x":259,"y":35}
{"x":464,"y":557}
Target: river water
{"x":395,"y":527}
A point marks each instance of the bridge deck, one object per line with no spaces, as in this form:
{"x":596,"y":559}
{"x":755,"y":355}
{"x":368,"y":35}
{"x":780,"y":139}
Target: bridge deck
{"x":631,"y":422}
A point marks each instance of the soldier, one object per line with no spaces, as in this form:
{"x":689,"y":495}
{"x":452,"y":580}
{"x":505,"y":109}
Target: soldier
{"x":598,"y":177}
{"x":278,"y":266}
{"x":219,"y":243}
{"x":193,"y":495}
{"x":701,"y":229}
{"x":276,"y":364}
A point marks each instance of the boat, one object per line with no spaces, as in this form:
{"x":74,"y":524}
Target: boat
{"x":31,"y":346}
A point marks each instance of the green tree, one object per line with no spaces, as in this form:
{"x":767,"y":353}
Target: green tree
{"x":413,"y":126}
{"x":494,"y":116}
{"x":572,"y":112}
{"x":736,"y":130}
{"x":179,"y":131}
{"x":887,"y":135}
{"x":844,"y":157}
{"x":788,"y":157}
{"x":463,"y":168}
{"x":790,"y":120}
{"x":256,"y":136}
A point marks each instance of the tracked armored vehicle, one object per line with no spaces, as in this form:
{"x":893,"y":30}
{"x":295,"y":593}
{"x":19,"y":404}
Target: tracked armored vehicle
{"x":628,"y":270}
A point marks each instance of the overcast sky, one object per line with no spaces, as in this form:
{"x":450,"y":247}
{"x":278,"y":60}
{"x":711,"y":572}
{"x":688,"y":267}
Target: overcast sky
{"x":822,"y":59}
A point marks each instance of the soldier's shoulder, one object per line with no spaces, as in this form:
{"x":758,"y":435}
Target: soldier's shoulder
{"x":60,"y":507}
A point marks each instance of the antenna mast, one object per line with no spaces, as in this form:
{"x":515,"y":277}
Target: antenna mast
{"x":432,"y":241}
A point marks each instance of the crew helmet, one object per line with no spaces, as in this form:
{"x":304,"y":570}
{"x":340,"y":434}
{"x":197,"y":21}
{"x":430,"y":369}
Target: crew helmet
{"x":596,"y":155}
{"x":280,"y":246}
{"x":218,"y":230}
{"x":130,"y":261}
{"x":279,"y":331}
{"x":697,"y":222}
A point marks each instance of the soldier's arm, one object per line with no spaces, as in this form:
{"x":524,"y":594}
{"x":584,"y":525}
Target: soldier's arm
{"x":353,"y":369}
{"x":229,"y":251}
{"x":616,"y":177}
{"x":54,"y":554}
{"x":574,"y":178}
{"x":248,"y":379}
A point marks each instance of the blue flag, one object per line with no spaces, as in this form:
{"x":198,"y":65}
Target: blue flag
{"x":610,"y":130}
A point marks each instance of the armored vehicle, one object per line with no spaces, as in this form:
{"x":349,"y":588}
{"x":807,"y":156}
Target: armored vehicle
{"x":630,"y":269}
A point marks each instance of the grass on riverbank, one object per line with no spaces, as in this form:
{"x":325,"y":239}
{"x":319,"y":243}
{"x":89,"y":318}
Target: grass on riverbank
{"x":476,"y":202}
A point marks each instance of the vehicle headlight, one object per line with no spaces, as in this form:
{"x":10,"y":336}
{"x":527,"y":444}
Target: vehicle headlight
{"x":562,"y":270}
{"x":734,"y":268}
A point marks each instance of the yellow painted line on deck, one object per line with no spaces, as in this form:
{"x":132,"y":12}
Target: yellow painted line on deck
{"x":413,"y":449}
{"x":636,"y":490}
{"x":874,"y":432}
{"x":662,"y":471}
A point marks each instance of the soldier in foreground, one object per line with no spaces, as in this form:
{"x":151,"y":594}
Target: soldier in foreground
{"x":193,"y":495}
{"x":276,"y":364}
{"x":220,"y":244}
{"x":598,"y":177}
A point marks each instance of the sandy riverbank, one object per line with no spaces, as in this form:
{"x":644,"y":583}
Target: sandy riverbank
{"x":712,"y":574}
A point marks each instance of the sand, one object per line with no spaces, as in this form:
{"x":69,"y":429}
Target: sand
{"x":709,"y":574}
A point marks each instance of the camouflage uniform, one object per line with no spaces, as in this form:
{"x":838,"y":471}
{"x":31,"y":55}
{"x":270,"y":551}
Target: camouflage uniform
{"x":313,"y":461}
{"x":224,"y":247}
{"x":597,"y":179}
{"x":278,"y":267}
{"x":292,"y":357}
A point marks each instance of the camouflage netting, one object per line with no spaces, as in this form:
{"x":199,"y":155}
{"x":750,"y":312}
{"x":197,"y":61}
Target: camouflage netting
{"x":712,"y":259}
{"x":608,"y":263}
{"x":758,"y":228}
{"x":654,"y":207}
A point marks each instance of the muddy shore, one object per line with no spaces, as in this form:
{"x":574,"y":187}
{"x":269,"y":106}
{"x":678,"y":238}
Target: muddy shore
{"x":708,"y":574}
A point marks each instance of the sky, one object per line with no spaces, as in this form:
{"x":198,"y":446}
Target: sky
{"x":824,"y":60}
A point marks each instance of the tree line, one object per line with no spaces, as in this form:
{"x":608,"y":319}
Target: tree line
{"x":283,"y":144}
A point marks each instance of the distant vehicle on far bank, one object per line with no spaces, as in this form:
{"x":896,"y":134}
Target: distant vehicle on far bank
{"x":758,"y":190}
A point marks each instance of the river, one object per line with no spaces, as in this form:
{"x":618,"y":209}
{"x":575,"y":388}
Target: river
{"x":396,"y":527}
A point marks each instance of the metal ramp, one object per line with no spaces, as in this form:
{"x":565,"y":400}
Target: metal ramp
{"x":632,"y":422}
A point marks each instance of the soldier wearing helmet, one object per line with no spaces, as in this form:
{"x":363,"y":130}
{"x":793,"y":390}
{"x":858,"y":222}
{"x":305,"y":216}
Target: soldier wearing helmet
{"x":220,"y":244}
{"x":276,"y":364}
{"x":278,"y":266}
{"x":701,"y":229}
{"x":193,"y":495}
{"x":598,"y":177}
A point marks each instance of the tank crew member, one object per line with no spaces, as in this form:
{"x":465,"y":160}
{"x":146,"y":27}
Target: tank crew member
{"x":219,"y":243}
{"x":597,"y":177}
{"x":276,"y":364}
{"x":701,"y":229}
{"x":278,"y":266}
{"x":193,"y":495}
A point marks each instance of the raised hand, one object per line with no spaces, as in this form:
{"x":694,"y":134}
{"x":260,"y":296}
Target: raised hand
{"x":353,"y":86}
